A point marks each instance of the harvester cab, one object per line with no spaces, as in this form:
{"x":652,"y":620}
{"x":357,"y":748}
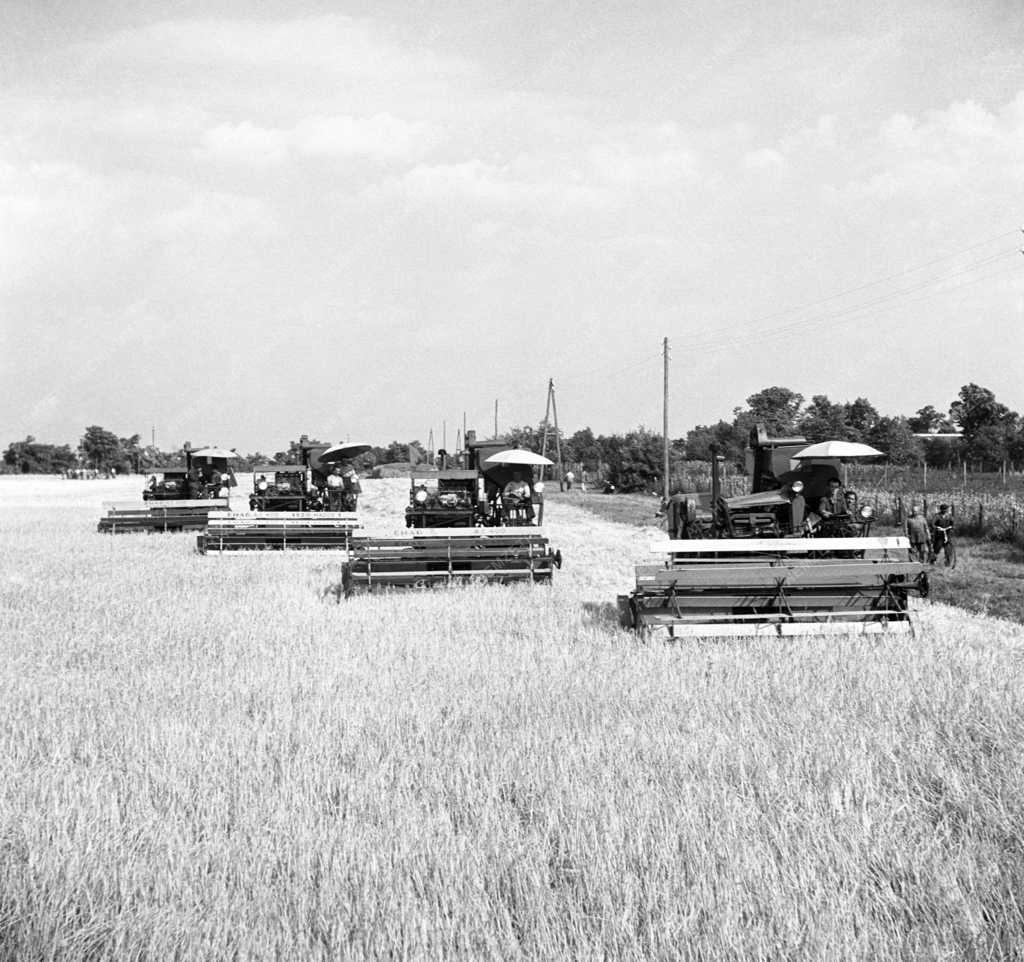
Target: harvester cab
{"x":471,"y":492}
{"x":474,"y":520}
{"x":788,"y":497}
{"x":166,"y":484}
{"x":176,"y":497}
{"x":277,"y":487}
{"x":793,"y":556}
{"x":291,"y":506}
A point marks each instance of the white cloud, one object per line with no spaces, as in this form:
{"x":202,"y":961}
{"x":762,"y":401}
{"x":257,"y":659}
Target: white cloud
{"x":765,"y":159}
{"x":246,"y":144}
{"x":381,"y":137}
{"x":334,"y":44}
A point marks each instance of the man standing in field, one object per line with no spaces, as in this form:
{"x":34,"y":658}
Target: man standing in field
{"x":942,"y":536}
{"x":919,"y":535}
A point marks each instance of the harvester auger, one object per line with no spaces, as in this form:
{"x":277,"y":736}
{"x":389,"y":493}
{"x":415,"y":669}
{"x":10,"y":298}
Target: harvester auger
{"x":475,"y":520}
{"x":794,"y":557}
{"x":176,"y":498}
{"x":307,"y":505}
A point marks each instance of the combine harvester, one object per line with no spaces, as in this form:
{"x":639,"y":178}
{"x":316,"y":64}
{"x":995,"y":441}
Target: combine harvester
{"x":474,"y":521}
{"x":794,"y":557}
{"x":178,"y":498}
{"x":293,"y":506}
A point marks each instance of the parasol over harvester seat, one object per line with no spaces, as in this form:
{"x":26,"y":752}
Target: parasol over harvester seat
{"x":215,"y":453}
{"x":344,"y":452}
{"x":837,"y":449}
{"x":518,"y":456}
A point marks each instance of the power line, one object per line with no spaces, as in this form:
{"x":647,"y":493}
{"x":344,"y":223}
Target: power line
{"x":713,"y":348}
{"x":883,"y":280}
{"x":731,"y":335}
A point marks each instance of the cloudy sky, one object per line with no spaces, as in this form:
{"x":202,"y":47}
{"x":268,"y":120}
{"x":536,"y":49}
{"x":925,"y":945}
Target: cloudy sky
{"x":239,"y":222}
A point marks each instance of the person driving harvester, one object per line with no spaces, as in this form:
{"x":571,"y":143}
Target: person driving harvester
{"x":516,"y":496}
{"x":832,"y":509}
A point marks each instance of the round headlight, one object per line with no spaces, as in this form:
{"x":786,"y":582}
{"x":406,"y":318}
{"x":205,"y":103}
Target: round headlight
{"x":420,"y":496}
{"x":796,"y":487}
{"x":539,"y":487}
{"x":867,"y":512}
{"x":262,"y":486}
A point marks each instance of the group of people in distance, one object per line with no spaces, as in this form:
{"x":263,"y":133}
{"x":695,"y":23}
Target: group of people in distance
{"x":930,"y":539}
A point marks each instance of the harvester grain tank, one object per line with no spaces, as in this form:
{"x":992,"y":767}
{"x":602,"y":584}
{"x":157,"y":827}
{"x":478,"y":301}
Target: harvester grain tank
{"x":177,"y":497}
{"x":311,"y":504}
{"x":796,"y":556}
{"x":475,"y":519}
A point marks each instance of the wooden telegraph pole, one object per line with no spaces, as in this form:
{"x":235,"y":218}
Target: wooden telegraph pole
{"x":544,"y":438}
{"x":558,"y":440}
{"x":495,"y":417}
{"x":551,"y":410}
{"x":664,"y":486}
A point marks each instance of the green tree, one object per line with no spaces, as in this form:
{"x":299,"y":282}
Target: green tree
{"x":100,"y":449}
{"x":861,"y":418}
{"x":634,"y":459}
{"x":32,"y":457}
{"x":776,"y":407}
{"x":731,"y":443}
{"x":895,"y":437}
{"x":824,"y":420}
{"x":990,"y":428}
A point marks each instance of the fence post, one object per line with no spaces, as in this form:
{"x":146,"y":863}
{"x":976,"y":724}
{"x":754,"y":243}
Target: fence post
{"x":899,"y":510}
{"x":981,"y":518}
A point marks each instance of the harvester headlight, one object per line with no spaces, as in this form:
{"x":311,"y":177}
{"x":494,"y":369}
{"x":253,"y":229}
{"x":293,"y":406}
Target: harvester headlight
{"x":867,"y":512}
{"x":420,"y":496}
{"x":539,"y":487}
{"x":262,"y":486}
{"x":796,"y":487}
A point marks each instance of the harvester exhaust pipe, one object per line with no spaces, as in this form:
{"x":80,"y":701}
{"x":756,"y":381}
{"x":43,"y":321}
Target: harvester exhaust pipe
{"x":716,"y":479}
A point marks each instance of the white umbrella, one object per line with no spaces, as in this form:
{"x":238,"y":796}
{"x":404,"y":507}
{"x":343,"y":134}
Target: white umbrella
{"x":517,"y":456}
{"x":837,"y":449}
{"x":215,"y":453}
{"x":345,"y":451}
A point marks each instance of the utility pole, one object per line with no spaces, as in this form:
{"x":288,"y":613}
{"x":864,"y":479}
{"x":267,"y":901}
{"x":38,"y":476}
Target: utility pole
{"x":152,"y":436}
{"x":444,"y":435}
{"x":558,"y":440}
{"x":665,"y":491}
{"x":547,"y":415}
{"x":495,"y":417}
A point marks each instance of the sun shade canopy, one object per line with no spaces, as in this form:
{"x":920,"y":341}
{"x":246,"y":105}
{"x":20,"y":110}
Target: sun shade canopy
{"x":517,"y":456}
{"x":343,"y":452}
{"x":837,"y":449}
{"x":215,"y":453}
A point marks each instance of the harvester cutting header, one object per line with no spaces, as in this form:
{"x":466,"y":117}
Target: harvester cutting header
{"x":476,"y":518}
{"x":178,"y":497}
{"x":794,"y":556}
{"x":311,"y":504}
{"x":488,"y":484}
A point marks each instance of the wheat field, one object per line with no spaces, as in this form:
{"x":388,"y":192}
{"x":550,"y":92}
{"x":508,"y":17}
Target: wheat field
{"x":216,"y":758}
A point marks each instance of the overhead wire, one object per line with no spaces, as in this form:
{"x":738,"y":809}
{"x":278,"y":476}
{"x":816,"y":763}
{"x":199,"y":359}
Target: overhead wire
{"x":864,"y":311}
{"x":885,"y":279}
{"x":726,"y":337}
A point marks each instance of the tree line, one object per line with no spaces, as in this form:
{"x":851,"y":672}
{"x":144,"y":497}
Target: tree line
{"x":990,"y":436}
